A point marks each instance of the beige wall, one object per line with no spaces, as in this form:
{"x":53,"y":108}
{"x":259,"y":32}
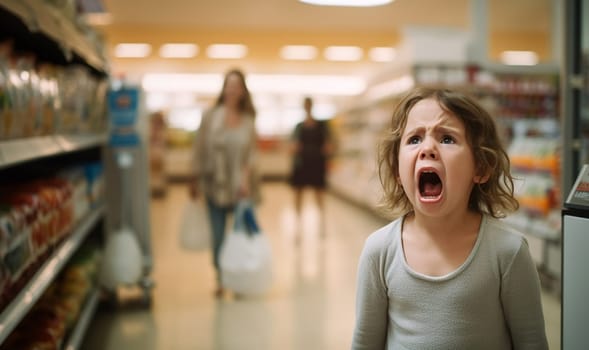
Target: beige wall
{"x":540,"y":42}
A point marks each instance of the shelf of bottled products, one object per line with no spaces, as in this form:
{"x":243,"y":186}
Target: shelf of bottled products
{"x":53,"y":84}
{"x":70,"y":35}
{"x":16,"y":151}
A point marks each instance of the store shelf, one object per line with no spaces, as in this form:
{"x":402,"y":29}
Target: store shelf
{"x":16,"y":151}
{"x":45,"y":18}
{"x":62,"y":30}
{"x":28,"y":296}
{"x":537,"y":227}
{"x":77,"y":335}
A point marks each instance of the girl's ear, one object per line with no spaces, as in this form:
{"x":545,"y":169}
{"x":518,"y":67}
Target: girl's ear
{"x":481,"y":179}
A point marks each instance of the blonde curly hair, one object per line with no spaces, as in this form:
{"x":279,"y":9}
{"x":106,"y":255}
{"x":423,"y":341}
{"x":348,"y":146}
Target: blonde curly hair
{"x":494,"y":197}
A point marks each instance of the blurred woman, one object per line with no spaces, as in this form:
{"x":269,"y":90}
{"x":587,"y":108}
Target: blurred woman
{"x":224,"y":156}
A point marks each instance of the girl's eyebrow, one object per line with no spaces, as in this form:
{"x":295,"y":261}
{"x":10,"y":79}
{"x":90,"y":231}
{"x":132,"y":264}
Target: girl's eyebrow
{"x":446,"y":128}
{"x":437,"y":128}
{"x":413,"y":131}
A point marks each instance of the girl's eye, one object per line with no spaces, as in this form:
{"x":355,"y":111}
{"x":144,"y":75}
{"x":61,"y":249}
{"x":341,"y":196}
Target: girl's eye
{"x":448,"y":139}
{"x":413,"y":140}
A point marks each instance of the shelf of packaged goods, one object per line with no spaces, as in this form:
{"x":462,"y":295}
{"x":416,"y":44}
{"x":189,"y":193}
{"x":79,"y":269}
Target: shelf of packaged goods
{"x":17,"y":151}
{"x":45,"y":18}
{"x":28,"y":296}
{"x":537,"y":227}
{"x":62,"y":30}
{"x":365,"y":191}
{"x":76,"y":337}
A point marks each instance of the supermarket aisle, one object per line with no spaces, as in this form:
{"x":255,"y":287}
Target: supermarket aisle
{"x":311,"y":305}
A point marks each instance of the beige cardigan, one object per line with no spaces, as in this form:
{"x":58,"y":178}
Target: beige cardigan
{"x":221,"y":156}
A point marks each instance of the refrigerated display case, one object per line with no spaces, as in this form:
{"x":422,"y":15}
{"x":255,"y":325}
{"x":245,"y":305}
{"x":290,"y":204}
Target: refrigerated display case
{"x":575,"y":157}
{"x":575,"y":285}
{"x":575,"y":91}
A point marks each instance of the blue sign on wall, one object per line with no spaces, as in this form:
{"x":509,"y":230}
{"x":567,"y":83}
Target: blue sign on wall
{"x":123,"y":109}
{"x":123,"y":106}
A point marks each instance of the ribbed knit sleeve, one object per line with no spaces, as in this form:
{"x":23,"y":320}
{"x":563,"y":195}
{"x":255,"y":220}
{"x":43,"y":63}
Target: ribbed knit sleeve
{"x":371,"y":296}
{"x":522,"y":303}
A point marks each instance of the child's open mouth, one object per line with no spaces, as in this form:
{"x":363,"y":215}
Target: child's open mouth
{"x":430,"y":185}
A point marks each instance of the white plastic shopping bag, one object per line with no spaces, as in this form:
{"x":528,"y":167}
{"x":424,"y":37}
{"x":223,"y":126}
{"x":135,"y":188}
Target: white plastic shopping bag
{"x":123,"y":259}
{"x":246,"y":256}
{"x":195,"y":230}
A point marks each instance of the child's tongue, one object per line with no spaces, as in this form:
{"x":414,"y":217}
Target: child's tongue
{"x":431,"y":189}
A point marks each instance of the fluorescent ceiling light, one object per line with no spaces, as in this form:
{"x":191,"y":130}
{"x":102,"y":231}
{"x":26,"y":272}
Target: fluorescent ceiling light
{"x":227,"y":51}
{"x":298,"y":52}
{"x":210,"y":84}
{"x":178,"y":50}
{"x":134,"y":50}
{"x":306,"y":84}
{"x":382,"y":54}
{"x":519,"y":58}
{"x":355,"y":3}
{"x":201,"y":83}
{"x":343,"y":53}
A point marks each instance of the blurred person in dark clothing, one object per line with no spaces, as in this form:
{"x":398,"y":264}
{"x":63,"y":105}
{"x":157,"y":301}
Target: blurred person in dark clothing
{"x":311,"y":146}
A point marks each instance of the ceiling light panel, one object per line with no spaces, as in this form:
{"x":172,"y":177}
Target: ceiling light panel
{"x":306,"y":84}
{"x":354,"y":3}
{"x":178,"y":50}
{"x":209,"y":84}
{"x":519,"y":58}
{"x":227,"y":51}
{"x":132,"y":50}
{"x":382,"y":54}
{"x":199,"y":83}
{"x":343,"y":53}
{"x":298,"y":52}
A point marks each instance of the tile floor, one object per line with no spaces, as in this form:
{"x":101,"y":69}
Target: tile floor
{"x":311,"y":304}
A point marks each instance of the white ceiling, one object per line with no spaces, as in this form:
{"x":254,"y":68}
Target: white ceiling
{"x":294,"y":15}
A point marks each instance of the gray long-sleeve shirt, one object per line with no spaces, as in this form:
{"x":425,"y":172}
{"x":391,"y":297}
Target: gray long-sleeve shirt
{"x":492,"y":301}
{"x":221,"y":153}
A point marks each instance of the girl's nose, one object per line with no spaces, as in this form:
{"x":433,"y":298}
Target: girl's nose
{"x":428,"y":150}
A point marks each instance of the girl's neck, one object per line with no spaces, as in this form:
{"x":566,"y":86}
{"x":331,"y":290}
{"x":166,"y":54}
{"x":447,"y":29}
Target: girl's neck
{"x":447,"y":225}
{"x":437,"y":247}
